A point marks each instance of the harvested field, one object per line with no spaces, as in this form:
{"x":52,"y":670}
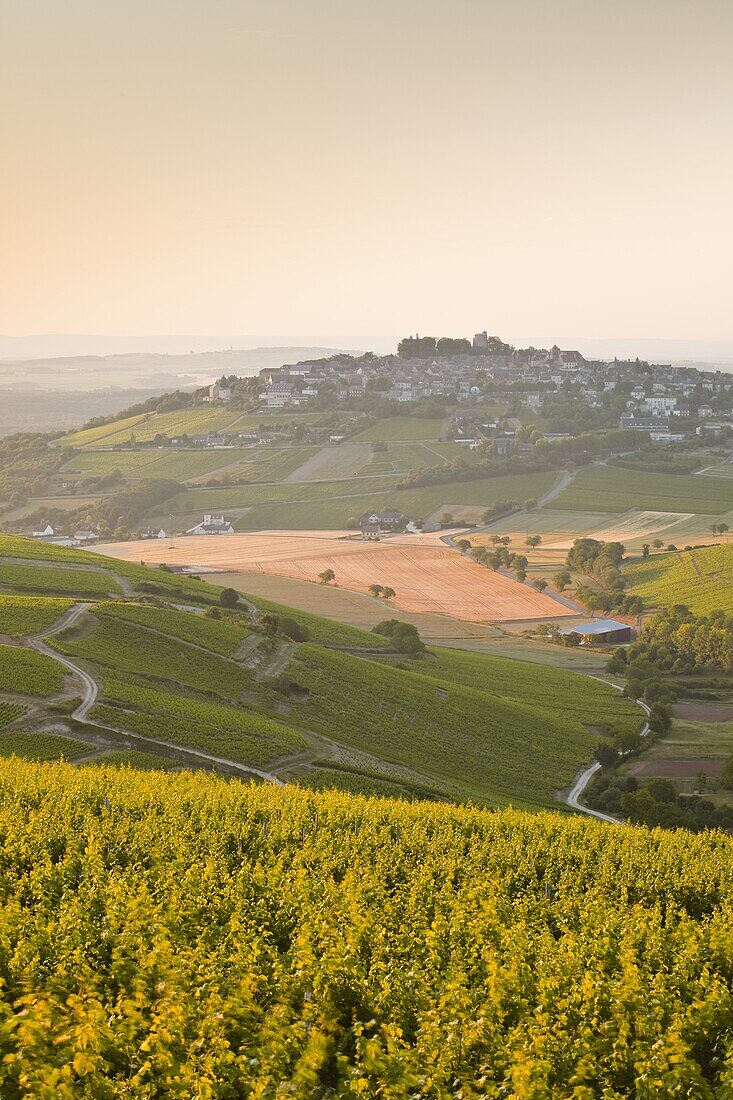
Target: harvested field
{"x":676,"y":769}
{"x":426,"y":575}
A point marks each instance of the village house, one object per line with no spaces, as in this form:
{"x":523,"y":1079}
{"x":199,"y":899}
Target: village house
{"x":212,"y":524}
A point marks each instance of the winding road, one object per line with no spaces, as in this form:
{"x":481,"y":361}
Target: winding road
{"x":586,"y":775}
{"x":90,"y":691}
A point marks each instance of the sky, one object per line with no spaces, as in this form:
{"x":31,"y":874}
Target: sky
{"x":344,"y":172}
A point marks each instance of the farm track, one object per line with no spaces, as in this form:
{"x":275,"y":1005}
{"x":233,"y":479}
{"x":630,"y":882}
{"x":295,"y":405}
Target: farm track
{"x":91,"y":691}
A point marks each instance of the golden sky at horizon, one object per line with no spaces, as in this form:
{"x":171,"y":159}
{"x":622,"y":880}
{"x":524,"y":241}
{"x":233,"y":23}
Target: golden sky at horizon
{"x":345,"y":171}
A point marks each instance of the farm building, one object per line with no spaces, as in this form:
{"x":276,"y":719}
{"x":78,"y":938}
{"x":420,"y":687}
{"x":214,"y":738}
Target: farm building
{"x":371,"y":531}
{"x":212,"y":525}
{"x":388,"y":519}
{"x":602,"y":630}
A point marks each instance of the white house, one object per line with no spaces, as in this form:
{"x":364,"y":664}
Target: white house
{"x":212,"y":525}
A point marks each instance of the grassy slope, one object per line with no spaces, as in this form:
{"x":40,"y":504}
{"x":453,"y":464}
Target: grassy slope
{"x":607,"y":489}
{"x":485,"y":745}
{"x":541,"y":956}
{"x":473,"y":725}
{"x":700,"y":579}
{"x":142,"y":577}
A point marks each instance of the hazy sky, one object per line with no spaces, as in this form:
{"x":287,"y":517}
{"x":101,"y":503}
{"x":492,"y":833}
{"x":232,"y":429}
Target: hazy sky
{"x":345,"y":171}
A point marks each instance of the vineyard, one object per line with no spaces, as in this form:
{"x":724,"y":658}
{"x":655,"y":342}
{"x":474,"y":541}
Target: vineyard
{"x":175,"y":465}
{"x":238,"y":733}
{"x":221,"y":636}
{"x":181,"y":936}
{"x":40,"y":746}
{"x":77,"y":582}
{"x":9,"y":712}
{"x":607,"y":489}
{"x":466,"y":741}
{"x":582,"y":702}
{"x":24,"y":672}
{"x":21,"y":615}
{"x":127,"y":648}
{"x":700,"y":579}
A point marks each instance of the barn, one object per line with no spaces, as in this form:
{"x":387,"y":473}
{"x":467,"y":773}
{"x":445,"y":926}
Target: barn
{"x":602,"y":630}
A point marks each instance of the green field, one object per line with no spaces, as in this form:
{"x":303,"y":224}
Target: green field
{"x":332,"y":513}
{"x":24,"y":672}
{"x":180,"y":935}
{"x":57,"y":580}
{"x":700,"y":579}
{"x":404,"y":428}
{"x":403,"y":457}
{"x":22,"y":615}
{"x":608,"y":489}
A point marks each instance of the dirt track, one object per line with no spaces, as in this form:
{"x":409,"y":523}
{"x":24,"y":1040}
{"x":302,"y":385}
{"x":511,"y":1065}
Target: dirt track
{"x":426,"y":575}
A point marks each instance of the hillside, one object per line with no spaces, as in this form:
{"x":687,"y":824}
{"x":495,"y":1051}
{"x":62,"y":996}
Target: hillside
{"x":701,"y":579}
{"x":263,"y":689}
{"x":184,"y":936}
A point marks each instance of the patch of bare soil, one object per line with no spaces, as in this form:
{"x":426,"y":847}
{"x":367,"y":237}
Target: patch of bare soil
{"x":703,"y":712}
{"x":676,"y":769}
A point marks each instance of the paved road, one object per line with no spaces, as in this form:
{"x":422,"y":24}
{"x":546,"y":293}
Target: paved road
{"x":584,"y":778}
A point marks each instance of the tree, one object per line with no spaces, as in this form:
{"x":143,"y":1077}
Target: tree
{"x":540,"y":584}
{"x":561,"y":580}
{"x":388,"y":593}
{"x":645,"y":550}
{"x":657,"y":544}
{"x":447,"y":519}
{"x":533,"y":540}
{"x":463,"y":545}
{"x":714,"y":529}
{"x":521,"y":574}
{"x":403,"y":636}
{"x":606,"y":754}
{"x":375,"y":590}
{"x":228,"y":597}
{"x":505,"y":540}
{"x":723,"y":528}
{"x":327,"y":576}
